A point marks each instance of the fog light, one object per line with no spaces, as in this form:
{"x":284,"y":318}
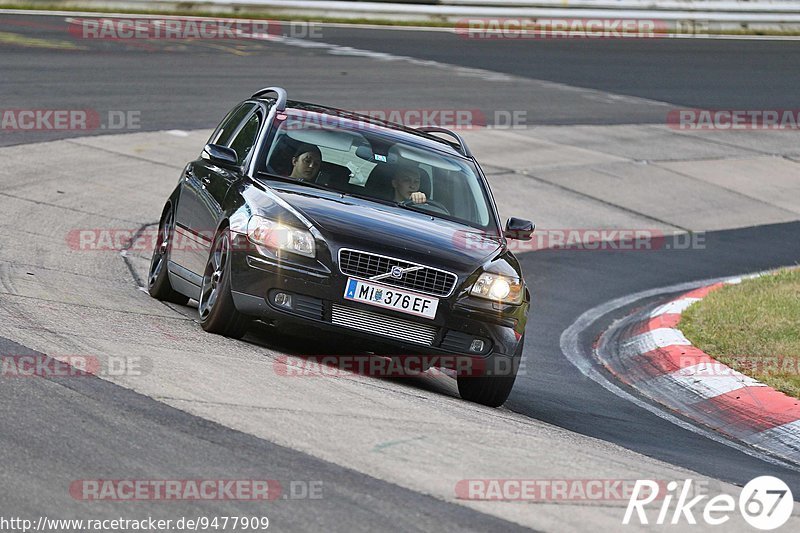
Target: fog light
{"x":476,"y":346}
{"x":283,"y":300}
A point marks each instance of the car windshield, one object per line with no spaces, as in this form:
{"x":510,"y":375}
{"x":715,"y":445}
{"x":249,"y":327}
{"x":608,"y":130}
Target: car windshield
{"x":365,"y":160}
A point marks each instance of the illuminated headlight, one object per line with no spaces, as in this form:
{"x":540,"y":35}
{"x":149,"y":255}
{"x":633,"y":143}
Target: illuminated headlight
{"x":275,"y":235}
{"x":497,"y":287}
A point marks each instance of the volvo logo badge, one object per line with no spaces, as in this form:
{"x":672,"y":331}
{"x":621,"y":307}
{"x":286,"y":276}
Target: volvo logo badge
{"x":397,"y":272}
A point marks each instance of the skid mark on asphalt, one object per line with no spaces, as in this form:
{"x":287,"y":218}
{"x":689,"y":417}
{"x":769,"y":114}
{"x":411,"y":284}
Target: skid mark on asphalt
{"x":66,"y":208}
{"x":221,"y":47}
{"x":730,"y":190}
{"x":123,"y":154}
{"x":268,"y":408}
{"x":388,"y":444}
{"x":17,"y":39}
{"x":6,"y":264}
{"x":126,"y":258}
{"x":576,"y":192}
{"x":696,"y":138}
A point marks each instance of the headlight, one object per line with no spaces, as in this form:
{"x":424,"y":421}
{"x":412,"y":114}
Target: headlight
{"x":496,"y":287}
{"x":275,"y":235}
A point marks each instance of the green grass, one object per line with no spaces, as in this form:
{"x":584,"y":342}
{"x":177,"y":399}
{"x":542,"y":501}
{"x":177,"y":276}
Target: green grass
{"x":753,"y":327}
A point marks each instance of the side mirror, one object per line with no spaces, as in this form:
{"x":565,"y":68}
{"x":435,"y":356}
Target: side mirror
{"x":221,"y":154}
{"x":517,"y":228}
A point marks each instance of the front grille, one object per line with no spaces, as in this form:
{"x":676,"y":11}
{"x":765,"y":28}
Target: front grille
{"x":378,"y":324}
{"x":426,"y":280}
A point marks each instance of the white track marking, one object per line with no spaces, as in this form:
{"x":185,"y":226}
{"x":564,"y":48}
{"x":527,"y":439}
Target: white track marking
{"x":675,"y":307}
{"x":707,"y":380}
{"x":652,"y":340}
{"x":784,"y":437}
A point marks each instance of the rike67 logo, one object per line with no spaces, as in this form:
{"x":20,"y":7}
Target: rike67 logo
{"x":765,"y":503}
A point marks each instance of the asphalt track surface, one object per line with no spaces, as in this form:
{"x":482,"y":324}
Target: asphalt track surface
{"x":575,"y":402}
{"x":703,"y":73}
{"x":51,"y":420}
{"x":187,"y":86}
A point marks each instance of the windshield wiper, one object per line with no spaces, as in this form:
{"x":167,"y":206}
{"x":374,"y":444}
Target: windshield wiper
{"x":411,"y":206}
{"x":364,"y":197}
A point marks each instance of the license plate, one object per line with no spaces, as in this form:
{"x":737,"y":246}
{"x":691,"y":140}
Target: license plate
{"x":390,"y":298}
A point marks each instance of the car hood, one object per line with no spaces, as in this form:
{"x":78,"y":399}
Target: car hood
{"x":347,"y":221}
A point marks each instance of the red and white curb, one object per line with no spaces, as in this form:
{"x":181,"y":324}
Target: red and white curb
{"x":649,"y":353}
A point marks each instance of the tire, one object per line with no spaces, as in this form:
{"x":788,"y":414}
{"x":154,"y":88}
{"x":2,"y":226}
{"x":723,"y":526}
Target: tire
{"x":158,"y":284}
{"x":218,"y":313}
{"x":491,"y":391}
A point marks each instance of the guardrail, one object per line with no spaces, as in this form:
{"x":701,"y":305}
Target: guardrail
{"x":684,"y":5}
{"x":716,"y":15}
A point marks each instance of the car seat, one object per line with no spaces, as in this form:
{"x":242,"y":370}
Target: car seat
{"x":379,"y":182}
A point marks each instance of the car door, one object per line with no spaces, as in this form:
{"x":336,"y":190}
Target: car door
{"x":203,"y":189}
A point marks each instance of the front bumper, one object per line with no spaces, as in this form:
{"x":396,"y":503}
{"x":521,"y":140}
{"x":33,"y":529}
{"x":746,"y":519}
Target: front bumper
{"x":318,"y":301}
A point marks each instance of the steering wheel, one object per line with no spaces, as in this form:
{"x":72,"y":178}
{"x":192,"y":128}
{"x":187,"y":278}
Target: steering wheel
{"x":431,"y":203}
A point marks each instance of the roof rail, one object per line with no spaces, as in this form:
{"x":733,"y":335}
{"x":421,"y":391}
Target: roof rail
{"x":280,"y":105}
{"x":462,"y":146}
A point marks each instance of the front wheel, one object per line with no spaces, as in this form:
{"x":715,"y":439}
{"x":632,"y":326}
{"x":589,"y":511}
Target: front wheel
{"x":492,"y":390}
{"x":218,"y":314}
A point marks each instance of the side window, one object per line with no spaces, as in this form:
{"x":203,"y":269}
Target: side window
{"x":228,"y":126}
{"x":246,"y":138}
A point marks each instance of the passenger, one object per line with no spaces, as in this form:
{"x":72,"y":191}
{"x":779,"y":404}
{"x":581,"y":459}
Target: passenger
{"x":306,"y":162}
{"x":406,"y":183}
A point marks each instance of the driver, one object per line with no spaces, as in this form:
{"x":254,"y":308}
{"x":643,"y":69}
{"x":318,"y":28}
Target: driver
{"x":306,"y":162}
{"x":406,"y":183}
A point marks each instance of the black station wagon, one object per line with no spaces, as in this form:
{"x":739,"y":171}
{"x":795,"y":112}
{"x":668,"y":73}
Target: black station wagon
{"x":296,"y":212}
